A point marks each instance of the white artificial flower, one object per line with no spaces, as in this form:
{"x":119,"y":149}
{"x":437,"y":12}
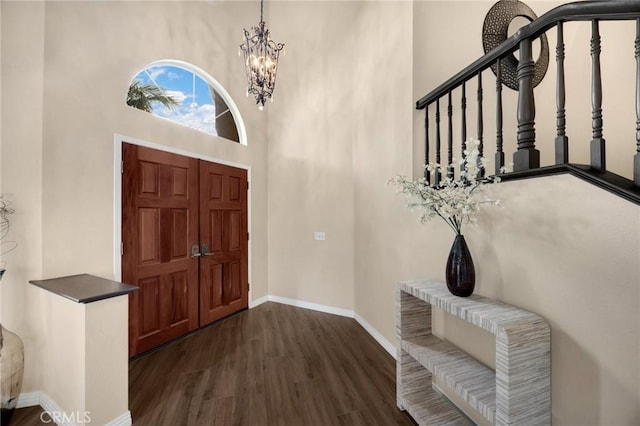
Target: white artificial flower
{"x":455,"y":201}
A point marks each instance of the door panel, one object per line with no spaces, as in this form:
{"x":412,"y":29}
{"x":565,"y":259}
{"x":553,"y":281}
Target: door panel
{"x":179,"y":182}
{"x":215,"y":232}
{"x":235,"y":230}
{"x":179,"y":285}
{"x":215,"y":190}
{"x":159,"y":225}
{"x":148,"y":313}
{"x":171,"y":202}
{"x":234,"y":285}
{"x":149,"y":236}
{"x":223,"y":228}
{"x":234,"y":188}
{"x":179,"y":234}
{"x":149,"y":179}
{"x":214,"y":285}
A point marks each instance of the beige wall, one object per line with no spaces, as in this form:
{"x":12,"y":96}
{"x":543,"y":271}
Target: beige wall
{"x":559,"y":247}
{"x":342,"y":123}
{"x":65,"y":358}
{"x":66,"y":67}
{"x":85,"y":362}
{"x":107,"y":360}
{"x":22,"y":58}
{"x":311,"y":132}
{"x":98,"y":67}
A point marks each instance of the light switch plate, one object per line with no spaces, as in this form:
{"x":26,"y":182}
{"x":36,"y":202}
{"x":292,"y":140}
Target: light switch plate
{"x":319,"y":236}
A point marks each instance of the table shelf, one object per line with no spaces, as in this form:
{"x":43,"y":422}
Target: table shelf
{"x":468,"y":378}
{"x":523,"y":355}
{"x":425,"y":405}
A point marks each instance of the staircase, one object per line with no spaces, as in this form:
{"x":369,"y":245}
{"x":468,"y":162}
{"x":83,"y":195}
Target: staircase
{"x":526,"y":159}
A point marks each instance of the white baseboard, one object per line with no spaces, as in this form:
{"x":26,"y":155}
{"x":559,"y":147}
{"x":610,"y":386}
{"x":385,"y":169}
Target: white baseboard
{"x":313,"y":306}
{"x":28,"y":399}
{"x":387,"y":345}
{"x":50,"y":406}
{"x":122,"y":420}
{"x":258,"y":301}
{"x":31,"y":399}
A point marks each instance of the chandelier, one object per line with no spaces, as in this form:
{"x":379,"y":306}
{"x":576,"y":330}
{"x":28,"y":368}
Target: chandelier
{"x":261,"y":61}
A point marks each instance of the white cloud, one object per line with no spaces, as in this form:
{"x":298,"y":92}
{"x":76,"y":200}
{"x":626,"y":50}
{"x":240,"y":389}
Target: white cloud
{"x":156,"y":72}
{"x":200,"y":117}
{"x":207,"y":109}
{"x":177,"y":95}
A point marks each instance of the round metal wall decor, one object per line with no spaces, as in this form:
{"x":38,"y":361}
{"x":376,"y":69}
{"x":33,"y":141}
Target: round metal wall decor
{"x":495,"y":31}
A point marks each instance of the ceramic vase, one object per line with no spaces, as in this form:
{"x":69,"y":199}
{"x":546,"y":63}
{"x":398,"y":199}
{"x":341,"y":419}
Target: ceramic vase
{"x":460,"y":273}
{"x":11,"y":371}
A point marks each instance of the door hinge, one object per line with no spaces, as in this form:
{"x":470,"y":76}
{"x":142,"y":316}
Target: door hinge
{"x":248,"y":236}
{"x":247,"y":185}
{"x":121,"y":249}
{"x":248,"y":286}
{"x":121,"y":167}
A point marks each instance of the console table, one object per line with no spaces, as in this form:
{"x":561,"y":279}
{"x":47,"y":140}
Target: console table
{"x":518,"y":392}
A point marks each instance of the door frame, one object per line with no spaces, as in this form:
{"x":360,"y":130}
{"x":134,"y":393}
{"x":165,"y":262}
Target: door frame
{"x":118,"y":140}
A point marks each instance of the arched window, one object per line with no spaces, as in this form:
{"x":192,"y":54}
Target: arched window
{"x":185,"y":94}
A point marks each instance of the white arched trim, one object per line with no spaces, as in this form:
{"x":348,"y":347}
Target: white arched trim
{"x":235,"y":112}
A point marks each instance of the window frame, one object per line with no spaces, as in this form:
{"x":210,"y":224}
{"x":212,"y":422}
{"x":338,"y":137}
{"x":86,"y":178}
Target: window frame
{"x":207,"y":78}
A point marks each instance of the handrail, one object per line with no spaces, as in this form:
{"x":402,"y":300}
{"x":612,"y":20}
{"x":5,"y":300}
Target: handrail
{"x":576,"y":11}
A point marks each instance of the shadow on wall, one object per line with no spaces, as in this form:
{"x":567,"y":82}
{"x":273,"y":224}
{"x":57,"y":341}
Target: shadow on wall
{"x":580,"y":378}
{"x":491,"y":266}
{"x":543,"y":220}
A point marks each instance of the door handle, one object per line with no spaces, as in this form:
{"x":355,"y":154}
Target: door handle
{"x":195,"y":250}
{"x":205,"y":250}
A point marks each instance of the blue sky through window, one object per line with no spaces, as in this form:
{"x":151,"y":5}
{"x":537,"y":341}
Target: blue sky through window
{"x":195,"y":107}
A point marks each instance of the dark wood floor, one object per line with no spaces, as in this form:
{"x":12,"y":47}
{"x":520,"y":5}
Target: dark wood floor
{"x":272,"y":365}
{"x":30,"y":416}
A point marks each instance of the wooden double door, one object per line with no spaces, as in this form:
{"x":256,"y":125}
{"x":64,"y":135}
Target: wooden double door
{"x":185,"y":243}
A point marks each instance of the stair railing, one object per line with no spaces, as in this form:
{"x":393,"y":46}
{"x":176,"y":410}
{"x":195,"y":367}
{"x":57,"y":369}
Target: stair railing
{"x":526,"y":159}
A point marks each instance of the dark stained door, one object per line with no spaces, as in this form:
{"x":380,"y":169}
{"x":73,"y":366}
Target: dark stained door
{"x":159,"y":226}
{"x":223,"y":230}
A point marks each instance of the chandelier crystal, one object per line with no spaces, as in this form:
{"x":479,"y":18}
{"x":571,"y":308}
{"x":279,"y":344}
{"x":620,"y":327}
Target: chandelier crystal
{"x":261,"y":61}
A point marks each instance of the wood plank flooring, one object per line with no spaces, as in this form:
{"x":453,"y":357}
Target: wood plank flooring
{"x":30,"y":416}
{"x":269,"y":366}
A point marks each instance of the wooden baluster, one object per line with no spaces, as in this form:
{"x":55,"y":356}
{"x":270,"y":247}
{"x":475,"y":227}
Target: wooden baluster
{"x":463,"y":132}
{"x":598,"y":158}
{"x":562,"y":142}
{"x":427,"y":175}
{"x":636,"y":158}
{"x":438,"y":174}
{"x":527,"y":156}
{"x":450,"y":140}
{"x":480,"y":119}
{"x":499,"y":140}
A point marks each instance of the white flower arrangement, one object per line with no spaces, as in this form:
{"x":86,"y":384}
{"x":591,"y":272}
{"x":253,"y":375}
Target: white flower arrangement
{"x":457,"y":202}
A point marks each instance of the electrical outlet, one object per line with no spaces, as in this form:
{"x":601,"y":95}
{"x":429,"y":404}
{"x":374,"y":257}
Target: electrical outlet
{"x":319,"y":236}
